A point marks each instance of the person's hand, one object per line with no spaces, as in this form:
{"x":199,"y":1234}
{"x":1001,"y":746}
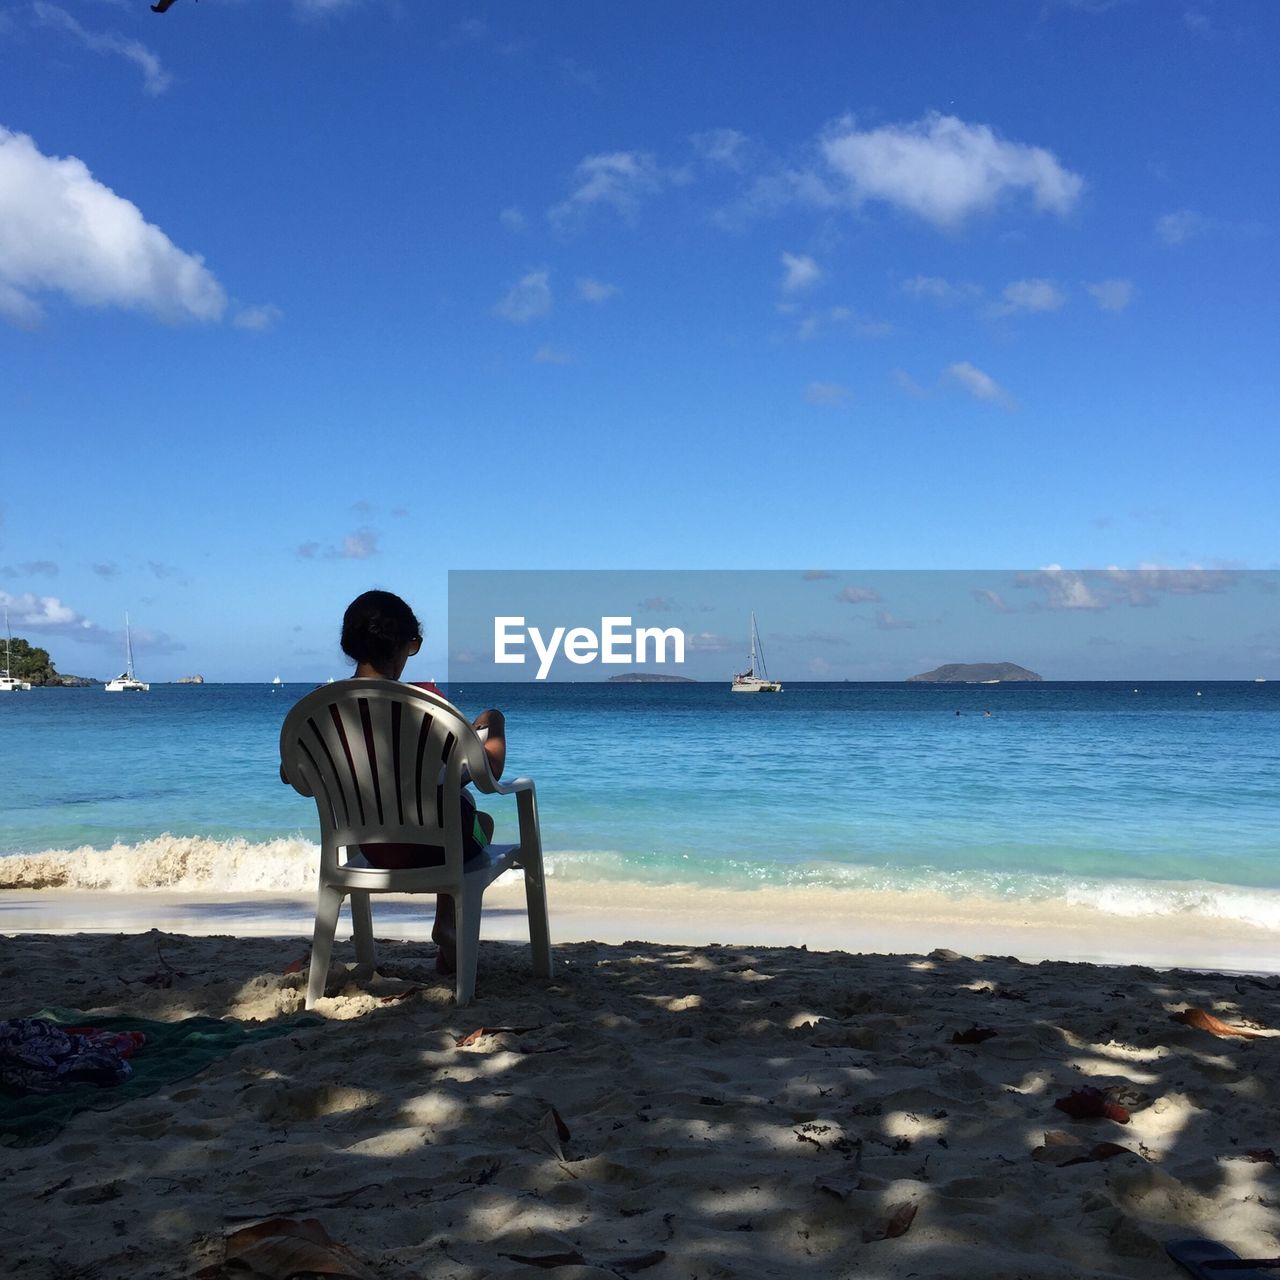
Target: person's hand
{"x":495,"y":743}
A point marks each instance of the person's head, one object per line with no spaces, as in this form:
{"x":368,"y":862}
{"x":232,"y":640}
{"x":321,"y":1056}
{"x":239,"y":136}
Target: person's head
{"x":380,"y":633}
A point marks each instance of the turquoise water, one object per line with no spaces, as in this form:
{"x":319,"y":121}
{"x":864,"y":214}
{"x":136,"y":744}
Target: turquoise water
{"x":1146,"y":793}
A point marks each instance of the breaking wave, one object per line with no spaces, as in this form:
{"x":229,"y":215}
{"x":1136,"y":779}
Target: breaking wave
{"x":174,"y":863}
{"x":190,"y":864}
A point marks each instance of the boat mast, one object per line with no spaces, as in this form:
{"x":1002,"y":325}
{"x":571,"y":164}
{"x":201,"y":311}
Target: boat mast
{"x":763,"y":673}
{"x":128,"y":648}
{"x":752,"y":667}
{"x":8,"y":645}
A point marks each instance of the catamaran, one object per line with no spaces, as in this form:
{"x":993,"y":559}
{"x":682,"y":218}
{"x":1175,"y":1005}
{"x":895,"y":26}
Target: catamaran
{"x":8,"y":683}
{"x":127,"y":682}
{"x":755,"y":679}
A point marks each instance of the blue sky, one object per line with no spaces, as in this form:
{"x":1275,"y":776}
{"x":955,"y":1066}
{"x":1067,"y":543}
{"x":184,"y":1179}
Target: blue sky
{"x":851,"y":624}
{"x":303,"y":296}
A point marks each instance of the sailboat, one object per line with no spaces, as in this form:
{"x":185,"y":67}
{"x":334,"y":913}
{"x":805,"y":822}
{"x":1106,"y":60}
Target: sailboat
{"x":127,"y":682}
{"x":755,"y":679}
{"x":8,"y":683}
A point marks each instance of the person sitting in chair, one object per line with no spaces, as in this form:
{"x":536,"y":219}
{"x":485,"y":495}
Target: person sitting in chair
{"x":380,"y":633}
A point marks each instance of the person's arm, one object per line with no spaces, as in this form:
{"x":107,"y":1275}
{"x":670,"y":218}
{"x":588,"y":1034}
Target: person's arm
{"x":495,"y":744}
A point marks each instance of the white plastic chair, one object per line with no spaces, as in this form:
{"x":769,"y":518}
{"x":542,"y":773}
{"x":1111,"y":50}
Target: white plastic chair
{"x":386,"y":763}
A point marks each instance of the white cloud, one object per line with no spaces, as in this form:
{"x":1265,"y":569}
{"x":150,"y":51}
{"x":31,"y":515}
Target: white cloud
{"x":512,"y":218}
{"x":322,"y":8}
{"x":360,"y":545}
{"x":155,"y":78}
{"x":910,"y":385}
{"x":1111,"y":295}
{"x":800,"y":272}
{"x":940,"y":290}
{"x":590,"y":290}
{"x":992,"y":599}
{"x":527,"y":299}
{"x":617,"y":180}
{"x":886,"y":621}
{"x":724,"y":148}
{"x":265,"y":316}
{"x":859,"y":595}
{"x":979,"y":385}
{"x":551,"y":355}
{"x":826,"y":393}
{"x":709,"y":642}
{"x":1141,"y":586}
{"x":1030,"y":295}
{"x":1181,"y":226}
{"x":1062,"y":589}
{"x":42,"y":612}
{"x":945,"y":170}
{"x":63,"y":231}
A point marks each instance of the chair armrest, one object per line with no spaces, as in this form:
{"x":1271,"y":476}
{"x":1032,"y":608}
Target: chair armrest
{"x":514,"y":787}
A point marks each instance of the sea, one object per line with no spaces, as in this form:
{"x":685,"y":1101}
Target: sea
{"x":1138,"y":798}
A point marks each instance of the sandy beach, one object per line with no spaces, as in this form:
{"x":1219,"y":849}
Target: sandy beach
{"x":657,"y":1108}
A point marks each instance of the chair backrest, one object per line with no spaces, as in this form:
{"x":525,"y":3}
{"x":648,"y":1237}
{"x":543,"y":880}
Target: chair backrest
{"x":385,"y":762}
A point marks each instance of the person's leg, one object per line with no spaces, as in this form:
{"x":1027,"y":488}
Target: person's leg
{"x":444,"y":933}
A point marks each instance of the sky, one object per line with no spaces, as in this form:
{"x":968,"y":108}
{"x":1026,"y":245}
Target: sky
{"x":299,"y":297}
{"x":852,"y":624}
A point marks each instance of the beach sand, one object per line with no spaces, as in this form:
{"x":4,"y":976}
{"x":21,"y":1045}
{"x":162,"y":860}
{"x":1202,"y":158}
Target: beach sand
{"x":658,"y":1109}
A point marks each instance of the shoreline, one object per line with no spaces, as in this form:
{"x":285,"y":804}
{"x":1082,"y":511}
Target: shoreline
{"x":885,"y":922}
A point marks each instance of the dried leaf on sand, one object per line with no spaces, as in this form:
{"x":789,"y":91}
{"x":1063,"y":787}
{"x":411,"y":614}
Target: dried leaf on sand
{"x":281,"y":1248}
{"x":898,"y":1223}
{"x":1203,"y":1021}
{"x":1091,"y":1104}
{"x":472,"y":1037}
{"x":1063,"y":1149}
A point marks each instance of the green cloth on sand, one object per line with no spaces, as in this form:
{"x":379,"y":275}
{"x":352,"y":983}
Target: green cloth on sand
{"x":173,"y":1051}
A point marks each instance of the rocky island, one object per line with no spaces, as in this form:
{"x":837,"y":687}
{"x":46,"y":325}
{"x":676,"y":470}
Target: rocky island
{"x":189,"y":680}
{"x":975,"y":673}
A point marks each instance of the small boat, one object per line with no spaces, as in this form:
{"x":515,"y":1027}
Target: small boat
{"x":1259,"y":679}
{"x":277,"y":680}
{"x":755,"y":679}
{"x":127,"y":682}
{"x":8,"y":683}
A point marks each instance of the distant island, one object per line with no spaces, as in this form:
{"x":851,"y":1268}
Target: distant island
{"x":974,"y":673}
{"x":647,"y":677}
{"x":189,"y":680}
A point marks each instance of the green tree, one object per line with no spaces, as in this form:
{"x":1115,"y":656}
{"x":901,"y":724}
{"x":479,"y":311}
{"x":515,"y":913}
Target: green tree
{"x":31,"y":663}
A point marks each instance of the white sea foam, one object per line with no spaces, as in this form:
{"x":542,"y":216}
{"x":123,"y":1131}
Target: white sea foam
{"x":194,"y":864}
{"x":1194,"y":898}
{"x":174,"y":863}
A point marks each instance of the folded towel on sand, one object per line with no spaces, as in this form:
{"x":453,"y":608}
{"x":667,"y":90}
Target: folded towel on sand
{"x":38,"y":1056}
{"x":169,"y":1051}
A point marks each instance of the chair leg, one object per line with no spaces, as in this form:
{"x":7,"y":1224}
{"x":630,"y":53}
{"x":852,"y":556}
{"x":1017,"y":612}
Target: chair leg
{"x":328,"y":904}
{"x":467,"y":907}
{"x":535,"y":888}
{"x":535,"y":896}
{"x":362,"y":929}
